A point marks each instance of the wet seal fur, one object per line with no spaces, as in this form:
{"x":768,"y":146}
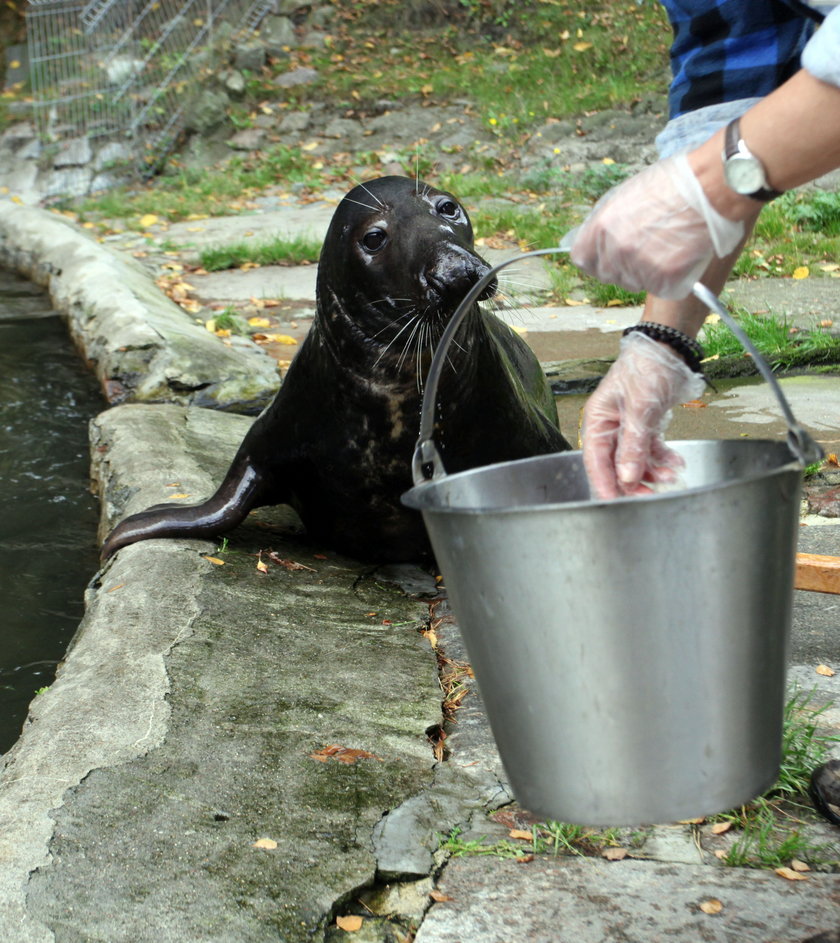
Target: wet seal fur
{"x":336,"y":443}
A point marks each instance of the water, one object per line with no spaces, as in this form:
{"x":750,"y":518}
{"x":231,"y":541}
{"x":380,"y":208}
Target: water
{"x":47,"y":514}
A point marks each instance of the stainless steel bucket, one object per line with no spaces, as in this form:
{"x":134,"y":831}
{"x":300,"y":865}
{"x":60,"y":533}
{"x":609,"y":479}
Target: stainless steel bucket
{"x":631,"y":654}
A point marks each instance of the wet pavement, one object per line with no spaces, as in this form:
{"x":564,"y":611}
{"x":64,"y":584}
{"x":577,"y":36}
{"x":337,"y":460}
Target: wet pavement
{"x":230,"y":754}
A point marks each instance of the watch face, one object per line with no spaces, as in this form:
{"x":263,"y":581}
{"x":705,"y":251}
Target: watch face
{"x":744,"y":174}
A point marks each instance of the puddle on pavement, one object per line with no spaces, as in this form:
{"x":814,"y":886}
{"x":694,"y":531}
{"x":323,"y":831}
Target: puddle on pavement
{"x":48,"y":518}
{"x":741,"y":408}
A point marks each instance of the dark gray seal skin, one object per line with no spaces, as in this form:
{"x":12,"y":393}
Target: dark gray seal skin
{"x":336,"y":443}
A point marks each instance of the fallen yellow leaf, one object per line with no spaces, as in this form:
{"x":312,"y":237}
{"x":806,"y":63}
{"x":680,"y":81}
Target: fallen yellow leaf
{"x":259,"y":322}
{"x":801,"y":272}
{"x":790,"y":875}
{"x":148,"y":220}
{"x":174,"y":497}
{"x":581,"y":47}
{"x":268,"y":844}
{"x":825,"y":671}
{"x":521,"y":834}
{"x":439,"y":896}
{"x":798,"y":865}
{"x":349,"y":924}
{"x":614,"y":854}
{"x":720,"y":827}
{"x":711,"y":906}
{"x":215,"y":560}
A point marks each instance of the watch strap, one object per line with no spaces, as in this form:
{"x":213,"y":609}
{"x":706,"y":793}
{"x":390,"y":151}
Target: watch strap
{"x":733,"y":144}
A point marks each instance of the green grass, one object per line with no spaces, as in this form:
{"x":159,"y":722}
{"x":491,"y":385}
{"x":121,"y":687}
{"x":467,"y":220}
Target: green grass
{"x":190,"y":193}
{"x":280,"y":251}
{"x":781,"y":345}
{"x":526,"y":63}
{"x":771,"y":825}
{"x":548,"y":838}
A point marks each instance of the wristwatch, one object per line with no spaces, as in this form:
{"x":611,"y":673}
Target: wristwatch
{"x":743,"y":171}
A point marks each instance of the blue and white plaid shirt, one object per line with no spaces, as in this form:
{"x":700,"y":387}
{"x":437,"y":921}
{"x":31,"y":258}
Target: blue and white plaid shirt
{"x":725,"y":50}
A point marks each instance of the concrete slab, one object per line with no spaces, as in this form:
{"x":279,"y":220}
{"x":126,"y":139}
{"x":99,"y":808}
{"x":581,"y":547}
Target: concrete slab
{"x":588,"y":901}
{"x":309,"y":220}
{"x":294,"y":282}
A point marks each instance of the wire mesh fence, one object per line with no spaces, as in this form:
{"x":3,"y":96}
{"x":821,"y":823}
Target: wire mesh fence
{"x":113,"y":80}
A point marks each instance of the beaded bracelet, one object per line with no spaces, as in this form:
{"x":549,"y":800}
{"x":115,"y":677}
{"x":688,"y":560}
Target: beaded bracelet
{"x":687,"y":347}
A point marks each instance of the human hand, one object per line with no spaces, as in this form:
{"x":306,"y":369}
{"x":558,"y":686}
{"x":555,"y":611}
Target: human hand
{"x":624,"y":419}
{"x":655,"y":232}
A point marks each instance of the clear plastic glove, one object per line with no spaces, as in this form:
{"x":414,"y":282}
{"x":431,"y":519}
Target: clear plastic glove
{"x":626,"y":416}
{"x":655,"y":232}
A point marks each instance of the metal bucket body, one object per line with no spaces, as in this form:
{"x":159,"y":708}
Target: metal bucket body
{"x":631,"y":654}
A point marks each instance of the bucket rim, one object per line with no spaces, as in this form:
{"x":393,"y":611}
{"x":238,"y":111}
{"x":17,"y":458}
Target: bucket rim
{"x":413,"y":497}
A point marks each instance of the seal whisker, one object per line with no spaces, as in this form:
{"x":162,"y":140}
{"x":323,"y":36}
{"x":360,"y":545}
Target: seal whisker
{"x":415,"y":322}
{"x":373,"y":196}
{"x":390,"y":324}
{"x":367,"y":206}
{"x":410,"y":342}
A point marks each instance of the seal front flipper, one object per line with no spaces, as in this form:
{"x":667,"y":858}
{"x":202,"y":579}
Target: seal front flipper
{"x":229,"y":506}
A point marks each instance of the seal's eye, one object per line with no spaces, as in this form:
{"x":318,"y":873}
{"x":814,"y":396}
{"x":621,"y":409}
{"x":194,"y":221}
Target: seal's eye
{"x":374,"y":239}
{"x":449,"y":209}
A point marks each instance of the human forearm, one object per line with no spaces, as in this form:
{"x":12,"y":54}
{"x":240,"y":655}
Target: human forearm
{"x":794,"y":132}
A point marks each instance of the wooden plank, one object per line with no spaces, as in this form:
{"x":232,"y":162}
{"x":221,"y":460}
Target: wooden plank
{"x":817,"y":573}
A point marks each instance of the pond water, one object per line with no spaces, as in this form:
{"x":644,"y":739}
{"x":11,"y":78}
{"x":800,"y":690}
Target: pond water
{"x":48,"y":516}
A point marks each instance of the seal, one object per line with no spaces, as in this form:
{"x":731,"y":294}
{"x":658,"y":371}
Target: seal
{"x":336,"y":442}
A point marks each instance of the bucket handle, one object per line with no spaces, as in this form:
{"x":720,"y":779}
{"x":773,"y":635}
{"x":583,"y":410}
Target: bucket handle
{"x":804,"y":448}
{"x":427,"y":464}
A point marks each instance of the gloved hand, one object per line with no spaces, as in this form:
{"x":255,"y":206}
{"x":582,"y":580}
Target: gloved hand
{"x":627,"y":414}
{"x":655,"y":232}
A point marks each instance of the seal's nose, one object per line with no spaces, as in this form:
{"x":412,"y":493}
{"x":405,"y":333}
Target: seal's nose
{"x":454,"y":271}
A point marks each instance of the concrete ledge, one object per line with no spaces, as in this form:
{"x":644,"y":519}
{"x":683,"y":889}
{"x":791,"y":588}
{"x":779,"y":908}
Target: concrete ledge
{"x":186,"y":722}
{"x":139,"y":343}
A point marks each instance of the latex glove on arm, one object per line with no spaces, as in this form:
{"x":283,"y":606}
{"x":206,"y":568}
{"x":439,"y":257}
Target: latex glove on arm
{"x":655,"y":232}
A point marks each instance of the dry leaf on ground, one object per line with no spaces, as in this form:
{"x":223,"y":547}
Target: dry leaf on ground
{"x":711,"y":906}
{"x":346,"y":755}
{"x":521,"y":834}
{"x":614,"y":854}
{"x":267,"y":844}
